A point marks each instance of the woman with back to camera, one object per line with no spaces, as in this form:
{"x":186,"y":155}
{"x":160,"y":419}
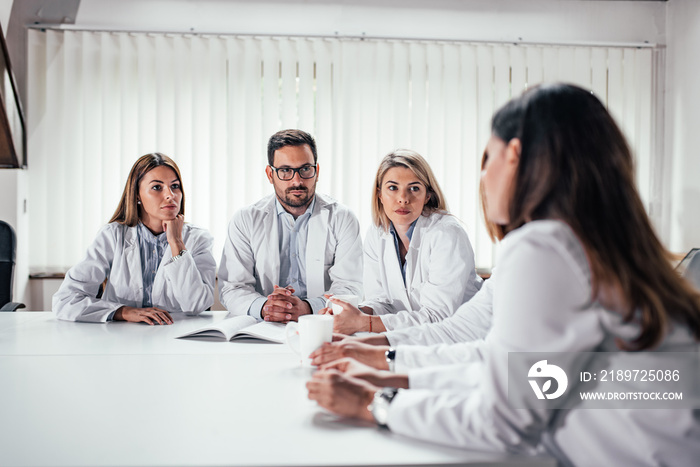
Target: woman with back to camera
{"x":153,"y":262}
{"x":418,"y":261}
{"x":580,"y":270}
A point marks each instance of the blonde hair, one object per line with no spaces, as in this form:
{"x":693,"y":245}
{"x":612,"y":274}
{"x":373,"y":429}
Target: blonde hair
{"x":421,"y":169}
{"x":128,"y":211}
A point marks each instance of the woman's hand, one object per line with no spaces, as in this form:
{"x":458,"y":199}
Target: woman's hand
{"x":355,"y":369}
{"x":149,"y":316}
{"x":173,"y":231}
{"x":372,"y":355}
{"x":350,"y":320}
{"x":342,"y":394}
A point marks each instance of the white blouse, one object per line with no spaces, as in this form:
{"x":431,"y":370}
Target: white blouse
{"x":544,"y":305}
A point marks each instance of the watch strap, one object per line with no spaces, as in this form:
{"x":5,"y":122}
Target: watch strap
{"x":390,"y":356}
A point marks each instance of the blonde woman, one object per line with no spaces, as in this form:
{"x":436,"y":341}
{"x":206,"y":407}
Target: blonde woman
{"x":418,"y":261}
{"x":153,"y":262}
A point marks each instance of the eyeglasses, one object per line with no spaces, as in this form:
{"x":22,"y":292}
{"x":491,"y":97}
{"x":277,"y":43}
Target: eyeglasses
{"x":287,"y":173}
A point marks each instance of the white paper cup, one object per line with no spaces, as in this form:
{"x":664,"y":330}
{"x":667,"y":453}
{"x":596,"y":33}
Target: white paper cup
{"x":308,"y":335}
{"x":353,"y":300}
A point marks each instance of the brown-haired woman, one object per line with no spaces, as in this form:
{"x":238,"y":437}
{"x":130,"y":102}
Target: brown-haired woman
{"x":582,"y":280}
{"x":153,"y":262}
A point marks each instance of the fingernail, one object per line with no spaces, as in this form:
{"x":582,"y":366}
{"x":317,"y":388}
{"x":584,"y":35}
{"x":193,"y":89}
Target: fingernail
{"x":266,"y":308}
{"x":289,"y":316}
{"x":289,"y":305}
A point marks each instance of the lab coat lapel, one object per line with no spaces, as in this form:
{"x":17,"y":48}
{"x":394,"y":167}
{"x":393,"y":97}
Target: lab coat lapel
{"x":271,"y":261}
{"x":413,"y":250}
{"x":132,"y":265}
{"x":316,"y":241}
{"x":391,"y":260}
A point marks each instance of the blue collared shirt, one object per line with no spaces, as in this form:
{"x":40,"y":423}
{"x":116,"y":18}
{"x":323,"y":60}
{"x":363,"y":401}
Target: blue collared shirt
{"x":409,"y":234}
{"x":292,"y":235}
{"x":152,"y":248}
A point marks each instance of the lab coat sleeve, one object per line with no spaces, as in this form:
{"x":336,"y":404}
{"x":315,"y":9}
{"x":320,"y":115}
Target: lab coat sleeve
{"x":451,"y":278}
{"x":236,"y":270}
{"x":544,"y":310}
{"x":377,"y":298}
{"x":459,"y":376}
{"x":421,"y":356}
{"x":346,"y":271}
{"x":76,"y":299}
{"x":187,"y":284}
{"x":471,"y":321}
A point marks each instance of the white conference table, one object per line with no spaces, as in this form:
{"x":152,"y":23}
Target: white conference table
{"x":124,"y":394}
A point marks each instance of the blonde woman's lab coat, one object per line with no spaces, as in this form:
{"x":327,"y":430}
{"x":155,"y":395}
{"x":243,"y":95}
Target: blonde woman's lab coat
{"x":183,"y":285}
{"x":440,"y":272}
{"x":250,"y":263}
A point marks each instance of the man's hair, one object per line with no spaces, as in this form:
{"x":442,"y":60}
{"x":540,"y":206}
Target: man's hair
{"x":289,"y":138}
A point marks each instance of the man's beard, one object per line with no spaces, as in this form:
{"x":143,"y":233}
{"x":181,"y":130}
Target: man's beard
{"x":296,"y":201}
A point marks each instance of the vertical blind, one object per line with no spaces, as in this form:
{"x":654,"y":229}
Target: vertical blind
{"x":99,"y":100}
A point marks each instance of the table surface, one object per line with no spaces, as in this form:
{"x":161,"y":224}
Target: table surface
{"x":82,"y":394}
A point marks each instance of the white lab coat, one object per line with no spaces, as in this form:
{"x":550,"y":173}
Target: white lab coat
{"x":250,"y":263}
{"x":183,"y":285}
{"x":545,"y":306}
{"x":471,"y":322}
{"x":440,"y":272}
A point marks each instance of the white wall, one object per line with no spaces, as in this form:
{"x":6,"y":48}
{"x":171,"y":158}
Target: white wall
{"x":682,"y":125}
{"x":548,"y":21}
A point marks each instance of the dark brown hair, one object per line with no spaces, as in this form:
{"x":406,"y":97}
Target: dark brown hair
{"x":575,"y":165}
{"x":128,"y":211}
{"x":289,"y":138}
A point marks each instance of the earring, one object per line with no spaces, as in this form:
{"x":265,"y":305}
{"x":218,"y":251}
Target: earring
{"x":138,"y":202}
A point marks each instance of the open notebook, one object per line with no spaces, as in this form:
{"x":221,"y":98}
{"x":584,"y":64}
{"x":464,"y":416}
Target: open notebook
{"x":240,"y":327}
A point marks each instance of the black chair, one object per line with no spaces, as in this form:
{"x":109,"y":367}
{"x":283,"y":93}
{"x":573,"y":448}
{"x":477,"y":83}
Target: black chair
{"x":8,"y":246}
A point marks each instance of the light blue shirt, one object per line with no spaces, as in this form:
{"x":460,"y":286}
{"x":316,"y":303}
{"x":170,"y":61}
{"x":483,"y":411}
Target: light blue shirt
{"x":292,"y":234}
{"x":152,"y":248}
{"x":409,"y":234}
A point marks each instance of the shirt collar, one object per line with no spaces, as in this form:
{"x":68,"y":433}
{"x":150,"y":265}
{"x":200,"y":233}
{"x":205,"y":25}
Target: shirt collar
{"x":409,"y":234}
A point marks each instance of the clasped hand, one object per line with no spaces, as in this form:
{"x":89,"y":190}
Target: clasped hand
{"x":281,"y":306}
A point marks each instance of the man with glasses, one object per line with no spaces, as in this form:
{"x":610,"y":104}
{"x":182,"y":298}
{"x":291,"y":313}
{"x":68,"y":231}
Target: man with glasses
{"x":283,"y":253}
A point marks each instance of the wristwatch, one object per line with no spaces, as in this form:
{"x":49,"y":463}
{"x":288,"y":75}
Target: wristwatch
{"x":380,"y":405}
{"x":179,"y":255}
{"x":390,"y":356}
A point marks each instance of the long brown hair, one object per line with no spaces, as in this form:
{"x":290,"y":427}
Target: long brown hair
{"x":421,"y":169}
{"x":575,"y":165}
{"x":128,"y":211}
